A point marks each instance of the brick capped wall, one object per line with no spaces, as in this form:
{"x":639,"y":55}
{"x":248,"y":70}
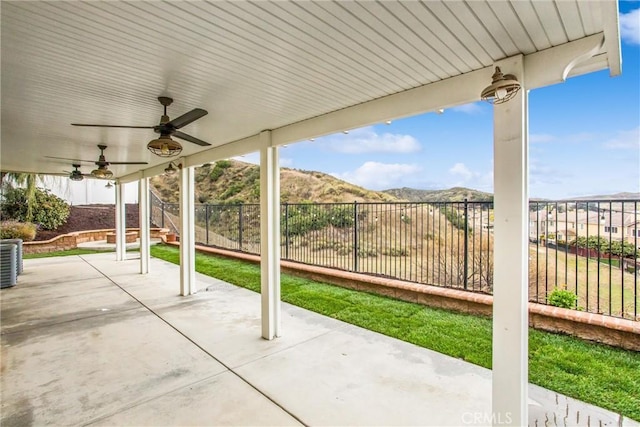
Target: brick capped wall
{"x":608,"y":330}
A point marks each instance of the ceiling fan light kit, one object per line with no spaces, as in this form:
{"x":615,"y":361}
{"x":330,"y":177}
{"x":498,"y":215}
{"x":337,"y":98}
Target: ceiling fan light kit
{"x":164,"y":146}
{"x":102,"y":173}
{"x":75,"y":174}
{"x":172,"y":168}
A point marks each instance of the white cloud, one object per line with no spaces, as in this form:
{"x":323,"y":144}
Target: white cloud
{"x":366,"y":140}
{"x":468,"y":178}
{"x":285,"y":162}
{"x":630,"y":26}
{"x":379,"y":176}
{"x":473,"y":108}
{"x":461,"y":170}
{"x":625,"y":139}
{"x":253,"y":158}
{"x":541,"y":174}
{"x":573,"y":137}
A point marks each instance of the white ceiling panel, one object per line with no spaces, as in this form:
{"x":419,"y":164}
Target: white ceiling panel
{"x":253,"y":65}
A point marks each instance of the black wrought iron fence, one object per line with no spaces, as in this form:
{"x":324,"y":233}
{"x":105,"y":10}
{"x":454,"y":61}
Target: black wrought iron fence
{"x":588,"y":248}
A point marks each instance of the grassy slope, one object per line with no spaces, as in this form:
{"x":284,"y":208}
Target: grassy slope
{"x":597,"y":374}
{"x":231,"y":181}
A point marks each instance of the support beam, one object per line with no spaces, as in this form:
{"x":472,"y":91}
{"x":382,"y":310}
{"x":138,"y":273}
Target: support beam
{"x":269,"y":238}
{"x":547,"y":67}
{"x":144,"y":214}
{"x":187,"y":233}
{"x":121,"y":223}
{"x":511,"y":249}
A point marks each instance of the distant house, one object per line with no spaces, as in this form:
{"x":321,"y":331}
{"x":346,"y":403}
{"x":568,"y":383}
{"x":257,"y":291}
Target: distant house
{"x":552,"y":225}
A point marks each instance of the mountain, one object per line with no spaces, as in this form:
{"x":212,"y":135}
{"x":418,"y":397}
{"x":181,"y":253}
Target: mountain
{"x":455,"y":194}
{"x":616,"y":196}
{"x":235,"y":182}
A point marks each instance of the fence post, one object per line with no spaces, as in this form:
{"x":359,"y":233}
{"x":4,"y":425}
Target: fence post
{"x":286,"y":230}
{"x":466,"y":243}
{"x":355,"y":236}
{"x":206,"y":221}
{"x":150,"y":208}
{"x":162,"y":201}
{"x":240,"y":227}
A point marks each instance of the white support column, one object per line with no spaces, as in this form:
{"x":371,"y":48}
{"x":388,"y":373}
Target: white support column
{"x":187,"y":233}
{"x":511,"y":255}
{"x":269,"y":237}
{"x":143,"y":207}
{"x":121,"y":224}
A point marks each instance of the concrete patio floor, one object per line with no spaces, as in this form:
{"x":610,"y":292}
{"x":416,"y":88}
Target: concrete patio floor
{"x":87,"y":340}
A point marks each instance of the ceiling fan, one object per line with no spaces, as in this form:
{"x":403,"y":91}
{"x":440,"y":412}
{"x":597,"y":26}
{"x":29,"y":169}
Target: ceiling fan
{"x":75,"y":174}
{"x":164,"y":146}
{"x":102,"y":172}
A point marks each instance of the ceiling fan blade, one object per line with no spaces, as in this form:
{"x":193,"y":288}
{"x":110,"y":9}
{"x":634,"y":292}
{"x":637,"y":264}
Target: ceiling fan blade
{"x":127,"y":163}
{"x":187,"y":118}
{"x":67,"y":158}
{"x":112,"y":126}
{"x":190,"y":138}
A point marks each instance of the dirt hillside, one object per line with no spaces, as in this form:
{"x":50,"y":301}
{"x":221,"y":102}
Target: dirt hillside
{"x":92,"y":217}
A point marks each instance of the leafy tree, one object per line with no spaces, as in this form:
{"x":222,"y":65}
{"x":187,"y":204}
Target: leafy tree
{"x":47,"y":209}
{"x":622,"y":249}
{"x":29,"y":182}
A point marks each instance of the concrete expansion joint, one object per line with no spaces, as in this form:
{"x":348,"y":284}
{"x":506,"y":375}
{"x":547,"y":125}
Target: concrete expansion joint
{"x":224,"y":365}
{"x":152,"y":398}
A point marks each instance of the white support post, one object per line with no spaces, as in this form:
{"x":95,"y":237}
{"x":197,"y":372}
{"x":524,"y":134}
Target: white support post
{"x":187,"y":233}
{"x":143,"y":207}
{"x":269,"y":237}
{"x":511,"y":255}
{"x":121,"y":224}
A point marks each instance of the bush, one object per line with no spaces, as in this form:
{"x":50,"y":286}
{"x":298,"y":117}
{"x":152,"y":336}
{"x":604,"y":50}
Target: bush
{"x":562,"y":298}
{"x":231,"y":191}
{"x":49,"y":210}
{"x":17,"y":230}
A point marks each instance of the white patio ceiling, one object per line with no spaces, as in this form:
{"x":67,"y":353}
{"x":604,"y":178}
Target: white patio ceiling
{"x":252,"y":65}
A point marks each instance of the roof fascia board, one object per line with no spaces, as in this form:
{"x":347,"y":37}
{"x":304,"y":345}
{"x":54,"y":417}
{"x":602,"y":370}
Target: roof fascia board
{"x":235,"y":148}
{"x":553,"y":65}
{"x":461,"y":89}
{"x":611,"y":26}
{"x":232,"y":149}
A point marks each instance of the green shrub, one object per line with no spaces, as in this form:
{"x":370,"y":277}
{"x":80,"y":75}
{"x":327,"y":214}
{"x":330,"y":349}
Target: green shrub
{"x":562,"y":298}
{"x":49,"y":210}
{"x":395,"y":252}
{"x":231,"y":191}
{"x":341,"y":217}
{"x":17,"y":230}
{"x":218,"y":169}
{"x":456,"y":219}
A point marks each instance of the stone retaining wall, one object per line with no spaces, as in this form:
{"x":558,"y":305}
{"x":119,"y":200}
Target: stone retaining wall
{"x":65,"y":242}
{"x":609,"y":330}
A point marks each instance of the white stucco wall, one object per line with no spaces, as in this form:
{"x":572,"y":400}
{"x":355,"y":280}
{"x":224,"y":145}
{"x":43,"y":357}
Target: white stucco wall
{"x":89,"y":191}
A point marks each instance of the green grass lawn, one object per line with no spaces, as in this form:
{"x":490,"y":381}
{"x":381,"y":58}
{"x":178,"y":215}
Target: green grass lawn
{"x":597,"y":374}
{"x":77,"y":251}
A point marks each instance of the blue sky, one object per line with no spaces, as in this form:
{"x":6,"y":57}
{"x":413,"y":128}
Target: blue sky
{"x":584,"y":138}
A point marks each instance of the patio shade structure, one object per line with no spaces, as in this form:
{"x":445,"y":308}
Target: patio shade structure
{"x":275,"y":73}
